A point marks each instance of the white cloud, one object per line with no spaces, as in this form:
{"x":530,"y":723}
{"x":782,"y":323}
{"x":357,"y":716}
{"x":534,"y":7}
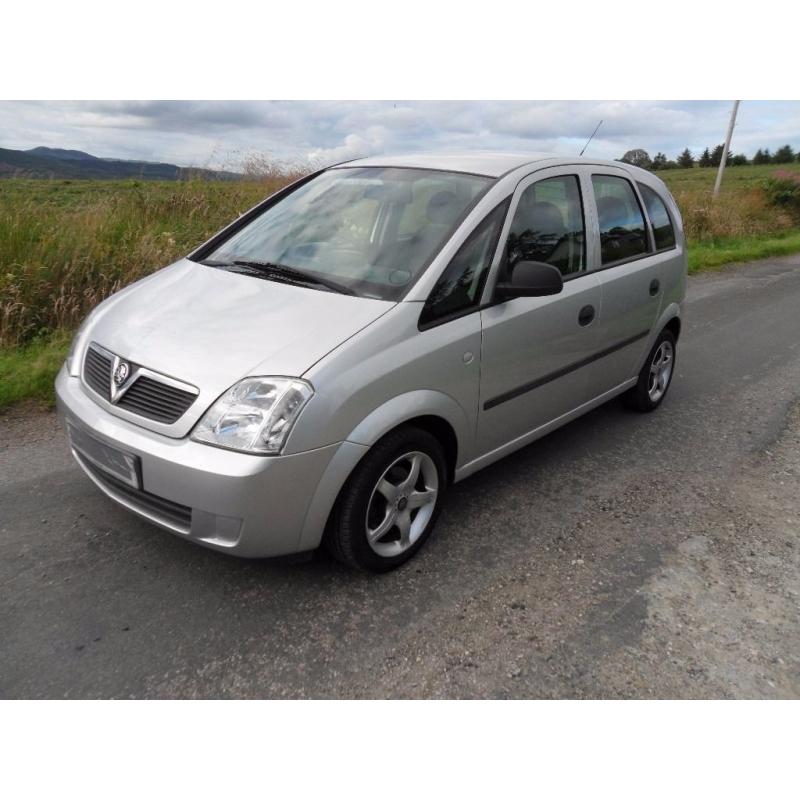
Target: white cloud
{"x":354,"y":145}
{"x":200,"y":133}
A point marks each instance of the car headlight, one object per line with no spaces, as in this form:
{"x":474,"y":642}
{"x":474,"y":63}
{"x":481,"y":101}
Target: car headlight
{"x":255,"y":415}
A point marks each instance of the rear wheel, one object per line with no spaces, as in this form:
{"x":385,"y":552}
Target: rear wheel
{"x":389,"y":505}
{"x":656,"y":375}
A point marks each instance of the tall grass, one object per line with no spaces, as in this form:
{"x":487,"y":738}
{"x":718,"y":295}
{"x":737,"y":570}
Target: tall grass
{"x":743,"y":213}
{"x":63,"y":248}
{"x":738,"y":225}
{"x":65,"y":245}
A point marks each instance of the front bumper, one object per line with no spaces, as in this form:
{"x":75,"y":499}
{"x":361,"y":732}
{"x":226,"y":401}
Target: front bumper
{"x":247,"y":505}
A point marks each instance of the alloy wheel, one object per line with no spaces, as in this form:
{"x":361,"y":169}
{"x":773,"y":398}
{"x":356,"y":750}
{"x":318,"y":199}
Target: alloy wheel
{"x":660,"y":371}
{"x":402,"y":503}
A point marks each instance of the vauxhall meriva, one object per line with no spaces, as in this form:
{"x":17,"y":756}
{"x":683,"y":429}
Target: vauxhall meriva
{"x":322,"y":368}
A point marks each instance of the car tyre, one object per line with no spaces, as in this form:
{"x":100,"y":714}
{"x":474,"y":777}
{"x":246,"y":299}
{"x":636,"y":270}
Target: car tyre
{"x":656,"y":375}
{"x":389,"y":505}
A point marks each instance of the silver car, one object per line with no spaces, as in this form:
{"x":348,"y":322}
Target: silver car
{"x":321,"y":369}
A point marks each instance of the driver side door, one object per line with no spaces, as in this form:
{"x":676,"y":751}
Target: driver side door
{"x":535,"y":349}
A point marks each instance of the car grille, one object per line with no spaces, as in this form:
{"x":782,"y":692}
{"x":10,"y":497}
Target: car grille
{"x":154,"y":400}
{"x":146,"y":396}
{"x":97,"y":372}
{"x":152,"y":505}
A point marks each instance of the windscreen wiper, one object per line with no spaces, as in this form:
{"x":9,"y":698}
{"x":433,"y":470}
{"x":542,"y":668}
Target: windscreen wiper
{"x":295,"y":275}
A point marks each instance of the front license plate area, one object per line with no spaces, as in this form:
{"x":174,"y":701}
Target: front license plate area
{"x":122,"y":466}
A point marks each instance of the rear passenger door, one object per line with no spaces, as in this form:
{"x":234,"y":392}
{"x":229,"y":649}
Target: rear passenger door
{"x":630,"y":273}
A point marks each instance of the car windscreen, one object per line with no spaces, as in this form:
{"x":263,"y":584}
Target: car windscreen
{"x":372,"y":230}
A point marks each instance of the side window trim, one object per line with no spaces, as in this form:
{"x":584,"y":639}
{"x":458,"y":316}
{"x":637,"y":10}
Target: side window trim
{"x":649,"y":239}
{"x":587,"y":233}
{"x":570,"y":173}
{"x":502,"y":208}
{"x":664,"y":203}
{"x":620,"y":263}
{"x":581,"y":172}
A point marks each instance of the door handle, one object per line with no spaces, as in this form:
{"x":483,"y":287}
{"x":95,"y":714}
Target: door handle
{"x":654,"y":286}
{"x":586,"y":315}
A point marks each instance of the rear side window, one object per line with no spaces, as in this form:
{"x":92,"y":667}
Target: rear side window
{"x":622,"y":228}
{"x":461,"y":284}
{"x":548,"y":226}
{"x":663,"y":232}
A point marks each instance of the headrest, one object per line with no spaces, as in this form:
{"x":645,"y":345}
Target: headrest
{"x":546,"y":217}
{"x":440,"y":207}
{"x":612,"y":213}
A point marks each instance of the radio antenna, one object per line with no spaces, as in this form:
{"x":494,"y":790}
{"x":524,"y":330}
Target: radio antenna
{"x":590,"y":138}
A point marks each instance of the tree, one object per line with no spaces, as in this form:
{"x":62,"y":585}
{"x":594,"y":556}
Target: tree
{"x":638,"y":158}
{"x":705,"y":158}
{"x":660,"y":161}
{"x":686,"y":159}
{"x":783,"y":155}
{"x":762,"y":157}
{"x":716,"y":156}
{"x":738,"y":160}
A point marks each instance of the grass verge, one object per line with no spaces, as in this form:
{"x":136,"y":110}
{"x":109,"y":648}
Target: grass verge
{"x":719,"y":252}
{"x":27,"y":373}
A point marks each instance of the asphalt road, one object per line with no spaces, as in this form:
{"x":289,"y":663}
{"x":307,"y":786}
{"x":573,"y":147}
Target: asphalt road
{"x":623,"y":556}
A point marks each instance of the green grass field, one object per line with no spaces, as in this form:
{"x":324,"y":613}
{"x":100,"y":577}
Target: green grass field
{"x":735,"y":177}
{"x":65,"y":245}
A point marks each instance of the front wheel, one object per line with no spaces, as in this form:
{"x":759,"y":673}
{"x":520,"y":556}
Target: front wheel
{"x":389,"y":505}
{"x":656,"y":375}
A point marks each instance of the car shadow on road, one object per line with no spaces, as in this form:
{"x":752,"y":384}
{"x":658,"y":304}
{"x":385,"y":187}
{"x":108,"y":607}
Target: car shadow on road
{"x":516,"y":481}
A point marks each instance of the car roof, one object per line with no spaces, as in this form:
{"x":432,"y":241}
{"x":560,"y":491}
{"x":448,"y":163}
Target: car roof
{"x":476,"y":162}
{"x":495,"y":164}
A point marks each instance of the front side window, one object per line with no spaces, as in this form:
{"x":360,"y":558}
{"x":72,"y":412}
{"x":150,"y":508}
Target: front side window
{"x":460,"y":286}
{"x":548,"y":226}
{"x":371,"y":230}
{"x":663,"y":232}
{"x":622,"y":229}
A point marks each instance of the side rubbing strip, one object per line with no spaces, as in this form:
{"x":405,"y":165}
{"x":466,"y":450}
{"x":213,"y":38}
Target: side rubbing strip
{"x":527,"y":387}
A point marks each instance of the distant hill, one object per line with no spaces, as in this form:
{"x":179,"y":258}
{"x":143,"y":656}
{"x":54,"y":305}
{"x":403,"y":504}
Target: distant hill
{"x":53,"y":162}
{"x":56,"y":152}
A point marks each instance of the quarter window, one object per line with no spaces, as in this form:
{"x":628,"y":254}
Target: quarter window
{"x":622,"y":228}
{"x":663,"y":232}
{"x":548,"y":226}
{"x":460,"y":286}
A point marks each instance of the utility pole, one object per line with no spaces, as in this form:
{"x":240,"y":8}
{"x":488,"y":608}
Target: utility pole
{"x":726,"y":148}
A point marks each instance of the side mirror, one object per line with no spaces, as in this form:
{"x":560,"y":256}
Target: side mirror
{"x":530,"y":279}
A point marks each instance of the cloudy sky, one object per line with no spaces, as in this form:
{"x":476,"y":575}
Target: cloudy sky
{"x":223,"y":134}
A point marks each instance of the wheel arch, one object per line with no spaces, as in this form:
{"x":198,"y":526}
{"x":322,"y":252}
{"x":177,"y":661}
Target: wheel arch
{"x":432,"y":411}
{"x":443,"y":432}
{"x":669,"y":318}
{"x":674,"y":326}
